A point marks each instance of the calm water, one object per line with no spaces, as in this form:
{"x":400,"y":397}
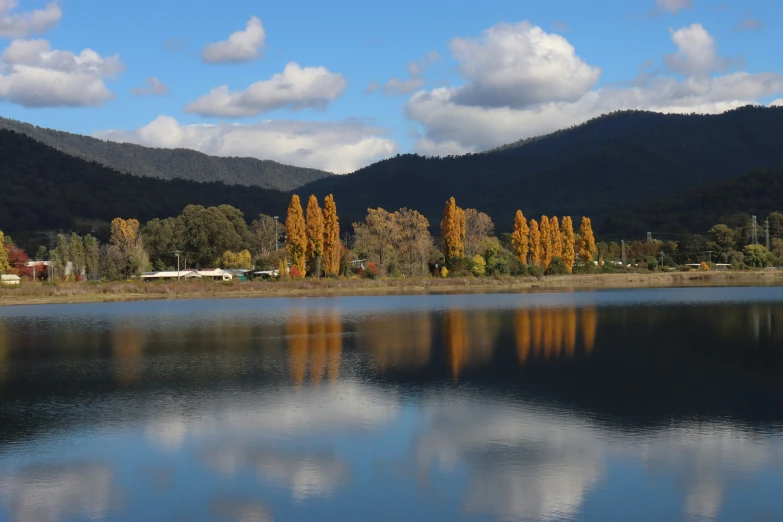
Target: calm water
{"x":587,"y":406}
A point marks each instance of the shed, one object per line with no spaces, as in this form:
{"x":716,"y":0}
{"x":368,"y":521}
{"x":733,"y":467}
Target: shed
{"x":10,"y":279}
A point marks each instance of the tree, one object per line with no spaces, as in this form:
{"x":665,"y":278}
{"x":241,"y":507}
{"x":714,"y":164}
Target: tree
{"x":556,"y":238}
{"x":545,"y":242}
{"x":76,"y":249}
{"x":413,"y":241}
{"x":377,"y":237}
{"x":41,"y":253}
{"x":479,"y":266}
{"x":126,"y":238}
{"x":241,"y":259}
{"x":452,"y":229}
{"x":721,"y":240}
{"x":265,"y":231}
{"x":535,"y":243}
{"x":478,"y":225}
{"x":315,"y":236}
{"x":587,"y":243}
{"x":4,"y":265}
{"x":296,"y":236}
{"x":757,"y":256}
{"x":567,"y":233}
{"x":332,"y":245}
{"x":520,"y":241}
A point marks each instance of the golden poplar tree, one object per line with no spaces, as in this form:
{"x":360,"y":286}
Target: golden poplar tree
{"x":569,"y":248}
{"x":4,"y":264}
{"x":546,"y":243}
{"x":296,"y":237}
{"x":535,"y":243}
{"x":519,"y":237}
{"x":587,"y":247}
{"x":556,"y":238}
{"x":452,"y":229}
{"x":315,"y":236}
{"x":331,"y":237}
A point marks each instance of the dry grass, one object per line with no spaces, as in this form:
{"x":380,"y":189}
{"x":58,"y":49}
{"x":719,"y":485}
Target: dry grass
{"x":30,"y":293}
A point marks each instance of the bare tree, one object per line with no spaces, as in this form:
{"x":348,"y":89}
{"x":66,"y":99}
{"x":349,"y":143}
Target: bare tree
{"x":478,"y":225}
{"x":414,"y":241}
{"x":377,"y":236}
{"x":266,"y":233}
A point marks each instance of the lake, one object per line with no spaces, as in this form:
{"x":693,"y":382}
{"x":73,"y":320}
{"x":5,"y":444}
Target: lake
{"x":652,"y":404}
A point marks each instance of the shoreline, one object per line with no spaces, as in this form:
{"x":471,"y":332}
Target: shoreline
{"x":74,"y":293}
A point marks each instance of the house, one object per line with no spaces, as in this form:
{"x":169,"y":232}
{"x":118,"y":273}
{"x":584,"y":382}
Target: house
{"x":216,"y":274}
{"x":10,"y":279}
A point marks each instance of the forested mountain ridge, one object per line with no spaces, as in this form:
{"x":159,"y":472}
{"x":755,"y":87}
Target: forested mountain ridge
{"x":42,"y":188}
{"x":170,"y":163}
{"x":592,"y":169}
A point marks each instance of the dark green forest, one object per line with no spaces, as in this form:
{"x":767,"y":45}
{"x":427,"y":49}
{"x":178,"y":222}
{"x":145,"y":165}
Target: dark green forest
{"x":44,"y":189}
{"x":171,"y":163}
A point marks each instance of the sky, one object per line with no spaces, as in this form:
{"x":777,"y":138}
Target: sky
{"x":340,"y":85}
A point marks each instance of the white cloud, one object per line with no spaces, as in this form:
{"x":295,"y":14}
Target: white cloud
{"x":551,"y":101}
{"x":696,"y":53}
{"x":296,"y":88}
{"x":241,"y":46}
{"x":519,"y":65}
{"x":777,"y":103}
{"x":371,"y":87}
{"x":34,"y":75}
{"x":154,"y":87}
{"x":672,"y":6}
{"x":396,"y":86}
{"x":749,"y":24}
{"x":338,"y":147}
{"x":21,"y":25}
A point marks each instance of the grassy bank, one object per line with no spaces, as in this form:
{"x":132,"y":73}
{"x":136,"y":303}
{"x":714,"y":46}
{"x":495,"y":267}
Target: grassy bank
{"x":123,"y":291}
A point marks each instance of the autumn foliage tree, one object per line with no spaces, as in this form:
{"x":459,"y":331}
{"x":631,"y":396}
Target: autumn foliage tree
{"x":315,"y":236}
{"x":519,"y":237}
{"x":126,"y":239}
{"x":332,"y":246}
{"x":569,"y":250}
{"x":546,"y":243}
{"x":452,"y":229}
{"x":556,"y":238}
{"x":535,"y":243}
{"x":587,"y":248}
{"x":4,"y":265}
{"x":296,"y":236}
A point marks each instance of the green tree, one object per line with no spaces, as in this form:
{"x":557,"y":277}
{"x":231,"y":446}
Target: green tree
{"x":757,"y":256}
{"x":721,"y":240}
{"x":78,"y":258}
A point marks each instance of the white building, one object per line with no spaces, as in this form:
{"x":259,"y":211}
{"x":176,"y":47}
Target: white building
{"x":9,"y":279}
{"x":215,"y":274}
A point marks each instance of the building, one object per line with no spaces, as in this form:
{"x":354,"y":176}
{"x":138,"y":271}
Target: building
{"x":10,"y":279}
{"x":216,"y":274}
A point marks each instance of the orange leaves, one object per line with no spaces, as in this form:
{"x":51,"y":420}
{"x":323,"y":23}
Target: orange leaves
{"x":331,"y":245}
{"x":296,"y":235}
{"x":519,"y":237}
{"x":587,"y":248}
{"x":453,"y":231}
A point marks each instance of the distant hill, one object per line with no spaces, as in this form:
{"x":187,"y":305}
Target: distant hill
{"x":45,"y":189}
{"x":593,"y":169}
{"x":698,"y":209}
{"x":171,"y":163}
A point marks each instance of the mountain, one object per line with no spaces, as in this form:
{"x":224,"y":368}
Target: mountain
{"x":171,"y":163}
{"x":696,"y":210}
{"x":592,"y":169}
{"x":46,"y":189}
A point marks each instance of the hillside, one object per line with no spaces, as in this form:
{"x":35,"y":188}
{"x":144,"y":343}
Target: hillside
{"x":45,"y":189}
{"x":171,"y":163}
{"x":592,"y":169}
{"x":696,"y":210}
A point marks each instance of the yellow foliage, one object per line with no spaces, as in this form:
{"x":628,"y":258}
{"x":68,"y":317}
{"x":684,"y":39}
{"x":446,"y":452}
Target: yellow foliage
{"x":444,"y":272}
{"x":332,"y":243}
{"x":545,"y":241}
{"x":535,"y":243}
{"x":569,"y":248}
{"x":479,"y":266}
{"x":556,"y":238}
{"x":124,"y":233}
{"x":231,"y":259}
{"x":519,"y":237}
{"x":315,"y":235}
{"x":4,"y":264}
{"x":587,"y":248}
{"x":296,"y":236}
{"x":704,"y":267}
{"x":453,"y":231}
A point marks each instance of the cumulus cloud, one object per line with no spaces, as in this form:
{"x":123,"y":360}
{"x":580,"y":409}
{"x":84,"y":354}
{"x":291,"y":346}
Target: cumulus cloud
{"x":414,"y":81}
{"x":338,"y":147}
{"x":295,"y":88}
{"x":671,"y":6}
{"x":519,"y":65}
{"x":154,"y":87}
{"x":241,"y":46}
{"x":34,"y":75}
{"x":454,"y":122}
{"x":21,"y":25}
{"x":696,"y":53}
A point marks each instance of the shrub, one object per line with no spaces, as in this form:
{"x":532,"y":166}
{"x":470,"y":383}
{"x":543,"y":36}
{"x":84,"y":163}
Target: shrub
{"x":294,"y":272}
{"x":479,"y":266}
{"x":370,"y":271}
{"x":704,"y":267}
{"x":535,"y":271}
{"x":444,"y":272}
{"x":557,"y":267}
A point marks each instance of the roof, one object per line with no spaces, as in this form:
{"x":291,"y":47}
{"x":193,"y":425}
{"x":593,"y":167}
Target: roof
{"x":9,"y":277}
{"x":209,"y":272}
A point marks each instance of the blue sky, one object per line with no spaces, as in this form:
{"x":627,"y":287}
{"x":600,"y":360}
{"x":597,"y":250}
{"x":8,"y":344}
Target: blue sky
{"x":465,"y":76}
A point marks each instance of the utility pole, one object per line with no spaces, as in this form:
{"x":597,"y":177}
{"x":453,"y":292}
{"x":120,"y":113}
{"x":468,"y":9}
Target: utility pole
{"x":649,"y":236}
{"x":766,"y":231}
{"x":754,"y":234}
{"x":277,"y":232}
{"x":177,"y":253}
{"x":661,"y":258}
{"x":622,"y":241}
